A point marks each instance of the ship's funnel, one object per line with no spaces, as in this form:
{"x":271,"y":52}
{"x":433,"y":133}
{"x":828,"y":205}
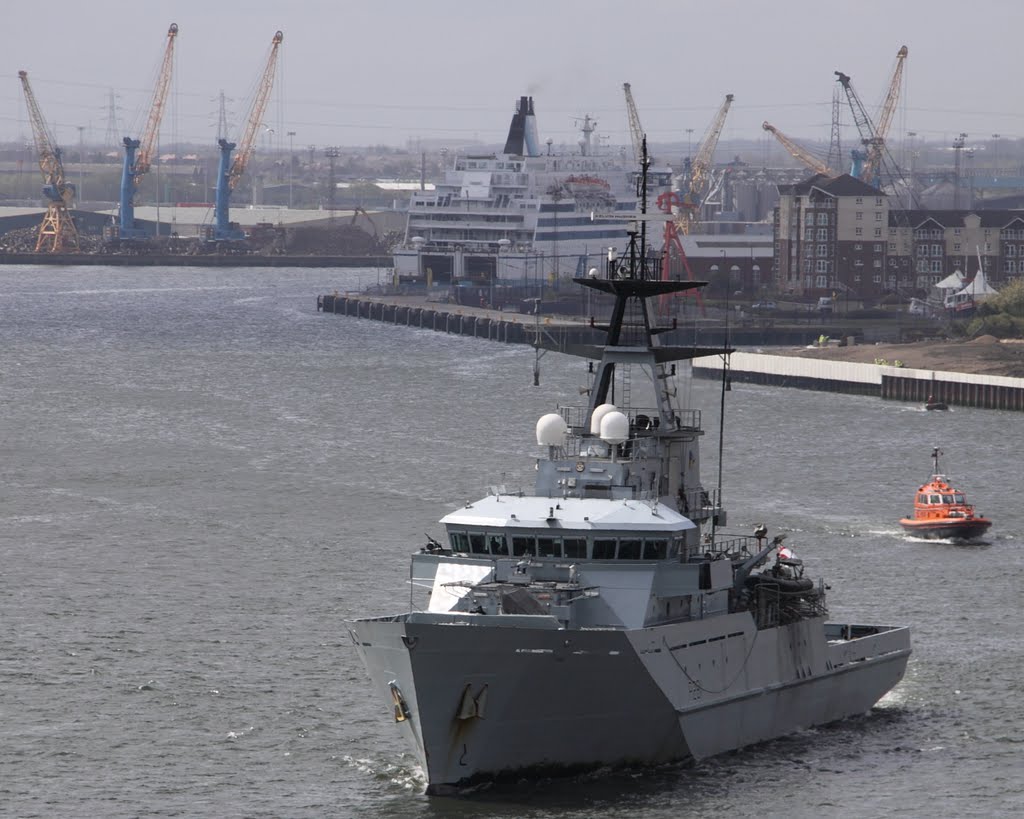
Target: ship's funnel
{"x":517,"y":129}
{"x":530,"y":130}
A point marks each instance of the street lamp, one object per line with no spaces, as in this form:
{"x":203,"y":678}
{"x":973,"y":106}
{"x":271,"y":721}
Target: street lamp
{"x":291,"y":162}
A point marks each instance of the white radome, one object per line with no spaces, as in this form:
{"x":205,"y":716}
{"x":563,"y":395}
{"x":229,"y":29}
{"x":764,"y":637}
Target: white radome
{"x":551,"y":430}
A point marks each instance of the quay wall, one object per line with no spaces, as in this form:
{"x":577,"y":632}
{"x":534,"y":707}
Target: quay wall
{"x":182,"y":260}
{"x":885,"y":381}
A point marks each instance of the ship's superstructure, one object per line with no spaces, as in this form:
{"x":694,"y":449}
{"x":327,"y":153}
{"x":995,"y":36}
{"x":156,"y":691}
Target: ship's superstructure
{"x":607,"y":618}
{"x":525,"y":214}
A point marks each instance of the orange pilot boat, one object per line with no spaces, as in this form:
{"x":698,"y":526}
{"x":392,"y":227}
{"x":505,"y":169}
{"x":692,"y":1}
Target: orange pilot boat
{"x":942,"y":512}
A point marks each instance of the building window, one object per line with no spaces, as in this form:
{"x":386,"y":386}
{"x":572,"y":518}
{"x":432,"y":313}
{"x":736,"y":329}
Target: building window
{"x":1010,"y":266}
{"x":877,"y":278}
{"x":877,"y":263}
{"x":878,"y":216}
{"x":1011,"y":250}
{"x":858,"y":246}
{"x":859,"y":200}
{"x":858,"y":231}
{"x":821,"y":281}
{"x":922,"y":266}
{"x":936,"y":266}
{"x":822,"y":218}
{"x":956,"y":246}
{"x":936,"y":250}
{"x":878,"y":248}
{"x":878,"y":201}
{"x":822,"y":234}
{"x":822,"y":250}
{"x":860,"y":215}
{"x":878,"y":233}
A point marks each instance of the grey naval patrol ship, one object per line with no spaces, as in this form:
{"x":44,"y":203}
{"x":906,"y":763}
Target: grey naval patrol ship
{"x":606,"y":619}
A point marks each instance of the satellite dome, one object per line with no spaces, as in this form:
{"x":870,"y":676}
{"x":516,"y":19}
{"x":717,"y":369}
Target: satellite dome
{"x":614,"y":427}
{"x":551,"y":430}
{"x":599,"y":413}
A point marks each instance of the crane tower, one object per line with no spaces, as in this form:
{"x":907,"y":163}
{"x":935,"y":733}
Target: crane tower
{"x":228,"y":172}
{"x":138,"y":153}
{"x":57,"y":233}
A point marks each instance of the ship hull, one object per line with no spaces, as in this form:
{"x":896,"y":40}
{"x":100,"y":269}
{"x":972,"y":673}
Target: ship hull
{"x":947,"y":529}
{"x":489,"y":702}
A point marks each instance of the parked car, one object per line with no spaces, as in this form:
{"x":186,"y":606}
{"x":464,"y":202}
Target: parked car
{"x":763,"y":305}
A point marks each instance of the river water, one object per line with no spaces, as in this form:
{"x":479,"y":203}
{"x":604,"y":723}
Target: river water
{"x":203,"y":478}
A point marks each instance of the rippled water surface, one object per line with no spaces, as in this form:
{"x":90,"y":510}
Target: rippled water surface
{"x":203,"y":477}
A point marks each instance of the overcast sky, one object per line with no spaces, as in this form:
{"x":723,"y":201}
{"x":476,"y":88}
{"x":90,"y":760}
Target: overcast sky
{"x":380,"y":72}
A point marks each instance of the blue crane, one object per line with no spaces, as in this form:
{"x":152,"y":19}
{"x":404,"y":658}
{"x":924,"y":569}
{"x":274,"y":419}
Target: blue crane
{"x":228,"y":171}
{"x":138,"y":153}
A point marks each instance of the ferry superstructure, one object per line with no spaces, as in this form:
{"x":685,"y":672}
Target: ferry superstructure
{"x":525,"y":214}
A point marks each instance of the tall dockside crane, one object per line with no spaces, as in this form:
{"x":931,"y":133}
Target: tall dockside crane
{"x":698,"y":170}
{"x":57,"y":233}
{"x":799,"y":152}
{"x":667,"y":201}
{"x":870,"y":163}
{"x":228,"y":172}
{"x":138,"y":153}
{"x":636,"y":132}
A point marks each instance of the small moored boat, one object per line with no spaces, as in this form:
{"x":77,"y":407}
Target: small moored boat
{"x":942,"y":512}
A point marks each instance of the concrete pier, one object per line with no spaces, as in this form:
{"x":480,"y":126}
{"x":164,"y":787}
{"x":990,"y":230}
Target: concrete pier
{"x":886,"y":381}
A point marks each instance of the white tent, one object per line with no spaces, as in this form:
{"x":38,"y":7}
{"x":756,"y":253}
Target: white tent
{"x":979,"y":287}
{"x":954,"y":281}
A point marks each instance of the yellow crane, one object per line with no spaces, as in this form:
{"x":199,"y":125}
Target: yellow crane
{"x":696,"y":179}
{"x":885,"y":115}
{"x":635,"y":129}
{"x":57,"y":233}
{"x":798,"y":152}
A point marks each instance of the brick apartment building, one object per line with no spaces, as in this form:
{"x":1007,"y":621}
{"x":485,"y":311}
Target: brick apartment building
{"x":839,"y":235}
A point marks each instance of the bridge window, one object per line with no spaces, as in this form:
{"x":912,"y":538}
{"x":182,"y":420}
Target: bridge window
{"x":460,"y":542}
{"x":575,"y":546}
{"x":655,"y":549}
{"x":934,"y":499}
{"x":604,"y":549}
{"x":548,"y":547}
{"x":477,"y":543}
{"x":629,"y":549}
{"x":522,"y":546}
{"x":498,"y":544}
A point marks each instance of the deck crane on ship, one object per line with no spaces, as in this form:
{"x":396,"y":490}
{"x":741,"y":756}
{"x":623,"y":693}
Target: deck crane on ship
{"x":228,"y":172}
{"x":697,"y":172}
{"x":57,"y":233}
{"x":138,"y":153}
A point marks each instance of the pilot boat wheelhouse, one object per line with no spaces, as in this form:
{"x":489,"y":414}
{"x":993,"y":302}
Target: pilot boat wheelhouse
{"x":941,"y":512}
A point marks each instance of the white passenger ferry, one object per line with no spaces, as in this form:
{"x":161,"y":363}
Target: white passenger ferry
{"x":525,"y":215}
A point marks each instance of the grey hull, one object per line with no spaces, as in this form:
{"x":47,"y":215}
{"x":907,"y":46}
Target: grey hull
{"x":486,"y":700}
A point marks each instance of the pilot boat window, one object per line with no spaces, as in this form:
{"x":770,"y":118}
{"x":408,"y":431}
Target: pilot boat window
{"x":460,"y":542}
{"x":960,"y":498}
{"x":575,"y":546}
{"x":629,"y":549}
{"x":548,"y":547}
{"x":498,"y":544}
{"x":477,"y":543}
{"x":655,"y":549}
{"x":522,"y":546}
{"x":934,"y":499}
{"x":604,"y":549}
{"x":922,"y":499}
{"x":947,"y":498}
